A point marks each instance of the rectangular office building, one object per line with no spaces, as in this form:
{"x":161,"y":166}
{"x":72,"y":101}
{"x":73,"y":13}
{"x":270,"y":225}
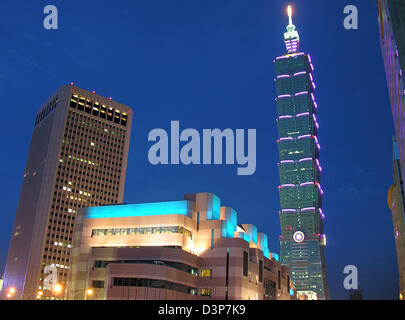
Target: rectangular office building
{"x":77,"y":158}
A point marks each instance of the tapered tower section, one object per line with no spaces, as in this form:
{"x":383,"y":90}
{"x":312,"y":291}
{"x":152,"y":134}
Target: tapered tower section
{"x":302,"y":238}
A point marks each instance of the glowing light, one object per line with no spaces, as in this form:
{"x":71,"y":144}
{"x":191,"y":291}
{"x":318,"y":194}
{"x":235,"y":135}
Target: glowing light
{"x":306,"y":184}
{"x":322,"y":215}
{"x":289,"y":11}
{"x":287,"y":161}
{"x":308,"y":209}
{"x":182,"y":207}
{"x":290,"y":55}
{"x":11,"y":290}
{"x":298,"y":237}
{"x":287,"y":185}
{"x":319,"y":187}
{"x":89,"y":291}
{"x":323,"y":238}
{"x":304,"y":136}
{"x":302,"y":114}
{"x":57,"y":288}
{"x":199,"y":250}
{"x":316,"y":122}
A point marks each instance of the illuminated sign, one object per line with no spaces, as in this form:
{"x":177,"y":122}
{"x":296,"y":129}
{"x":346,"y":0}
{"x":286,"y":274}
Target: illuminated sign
{"x":298,"y":236}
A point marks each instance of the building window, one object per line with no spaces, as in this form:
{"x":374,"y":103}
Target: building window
{"x":279,"y":279}
{"x":146,"y":230}
{"x":260,"y":270}
{"x":206,"y":273}
{"x":245,"y":263}
{"x":270,"y":291}
{"x":171,"y":264}
{"x":212,"y":239}
{"x":100,"y":264}
{"x":98,"y":284}
{"x":97,"y":110}
{"x":205,"y":292}
{"x":153,"y":283}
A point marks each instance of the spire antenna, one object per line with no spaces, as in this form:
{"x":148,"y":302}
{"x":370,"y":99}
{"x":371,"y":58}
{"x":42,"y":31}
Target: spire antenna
{"x":289,"y":11}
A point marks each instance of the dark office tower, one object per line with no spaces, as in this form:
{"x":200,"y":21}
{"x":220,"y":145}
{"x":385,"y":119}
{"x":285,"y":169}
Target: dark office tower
{"x":396,"y":204}
{"x":302,"y":241}
{"x":77,"y":158}
{"x":391,"y":16}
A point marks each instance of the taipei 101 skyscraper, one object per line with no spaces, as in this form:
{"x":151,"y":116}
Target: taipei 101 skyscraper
{"x":302,"y":240}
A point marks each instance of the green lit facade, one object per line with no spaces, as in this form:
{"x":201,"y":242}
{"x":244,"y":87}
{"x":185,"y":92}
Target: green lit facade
{"x":302,"y":238}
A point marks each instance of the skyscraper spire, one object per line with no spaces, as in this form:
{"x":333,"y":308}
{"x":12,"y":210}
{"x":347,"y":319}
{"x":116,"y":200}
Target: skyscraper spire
{"x":289,"y":11}
{"x":291,"y":37}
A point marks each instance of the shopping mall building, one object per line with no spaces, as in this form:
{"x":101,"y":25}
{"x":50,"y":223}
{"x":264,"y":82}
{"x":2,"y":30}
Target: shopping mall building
{"x":188,"y":249}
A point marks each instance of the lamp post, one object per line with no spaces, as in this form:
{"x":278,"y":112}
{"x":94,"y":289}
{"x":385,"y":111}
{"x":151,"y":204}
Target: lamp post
{"x":88,"y":293}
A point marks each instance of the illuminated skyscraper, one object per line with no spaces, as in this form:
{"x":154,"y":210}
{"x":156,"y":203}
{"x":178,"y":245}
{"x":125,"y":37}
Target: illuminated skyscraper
{"x":391,"y":16}
{"x":396,"y":204}
{"x":77,"y":158}
{"x":302,"y":241}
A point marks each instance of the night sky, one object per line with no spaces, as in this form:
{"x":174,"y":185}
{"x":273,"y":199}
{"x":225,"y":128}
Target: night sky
{"x":209,"y":64}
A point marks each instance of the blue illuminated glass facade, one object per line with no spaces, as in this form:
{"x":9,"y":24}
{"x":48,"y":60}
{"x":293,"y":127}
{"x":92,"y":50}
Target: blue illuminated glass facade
{"x":182,"y":207}
{"x":301,"y":218}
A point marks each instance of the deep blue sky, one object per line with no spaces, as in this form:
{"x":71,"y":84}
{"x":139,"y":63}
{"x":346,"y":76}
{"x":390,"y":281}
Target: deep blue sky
{"x":209,"y":64}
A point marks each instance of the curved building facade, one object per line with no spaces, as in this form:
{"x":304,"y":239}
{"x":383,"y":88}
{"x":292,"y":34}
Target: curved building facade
{"x":177,"y":250}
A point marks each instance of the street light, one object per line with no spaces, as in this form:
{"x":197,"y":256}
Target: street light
{"x":57,"y":288}
{"x":11,"y":292}
{"x":40,"y":293}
